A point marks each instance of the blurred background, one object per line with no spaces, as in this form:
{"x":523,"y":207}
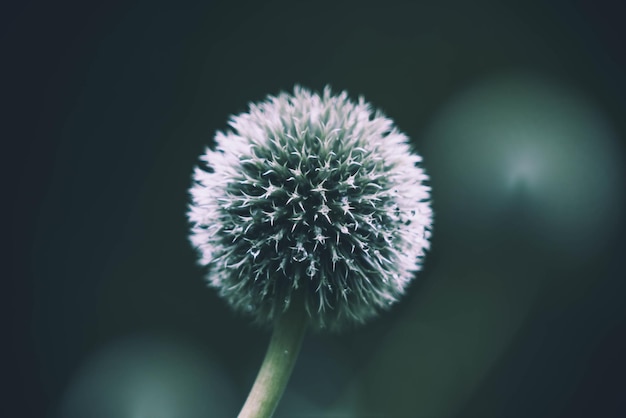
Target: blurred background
{"x":517,"y":109}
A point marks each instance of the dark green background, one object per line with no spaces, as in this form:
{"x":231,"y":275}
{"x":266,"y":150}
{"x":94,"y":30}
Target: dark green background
{"x":107,"y":108}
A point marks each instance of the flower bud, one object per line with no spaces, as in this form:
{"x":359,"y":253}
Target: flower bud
{"x":314,"y":195}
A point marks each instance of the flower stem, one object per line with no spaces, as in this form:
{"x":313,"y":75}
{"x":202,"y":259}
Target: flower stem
{"x":281,"y":355}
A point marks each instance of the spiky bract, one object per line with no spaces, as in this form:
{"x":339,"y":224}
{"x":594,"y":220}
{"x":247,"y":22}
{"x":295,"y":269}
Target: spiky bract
{"x":315,"y":195}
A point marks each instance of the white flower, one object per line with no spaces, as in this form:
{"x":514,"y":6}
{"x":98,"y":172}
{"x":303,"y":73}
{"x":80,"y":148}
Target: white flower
{"x":312,"y":194}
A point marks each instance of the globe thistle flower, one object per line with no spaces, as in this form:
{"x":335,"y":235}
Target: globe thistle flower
{"x":311,"y":195}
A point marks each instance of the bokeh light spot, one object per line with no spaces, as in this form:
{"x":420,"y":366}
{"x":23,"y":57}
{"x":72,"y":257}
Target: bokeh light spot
{"x":524,"y":141}
{"x":148,"y":378}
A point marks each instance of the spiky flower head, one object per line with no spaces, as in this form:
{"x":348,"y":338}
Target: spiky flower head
{"x":312,"y":195}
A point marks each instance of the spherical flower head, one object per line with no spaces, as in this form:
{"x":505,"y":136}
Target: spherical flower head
{"x":311,"y":195}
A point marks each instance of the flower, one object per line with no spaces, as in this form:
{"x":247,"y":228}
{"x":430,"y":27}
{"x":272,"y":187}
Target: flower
{"x":311,"y":194}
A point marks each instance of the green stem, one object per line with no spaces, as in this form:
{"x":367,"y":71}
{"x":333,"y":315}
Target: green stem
{"x":280,"y":357}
